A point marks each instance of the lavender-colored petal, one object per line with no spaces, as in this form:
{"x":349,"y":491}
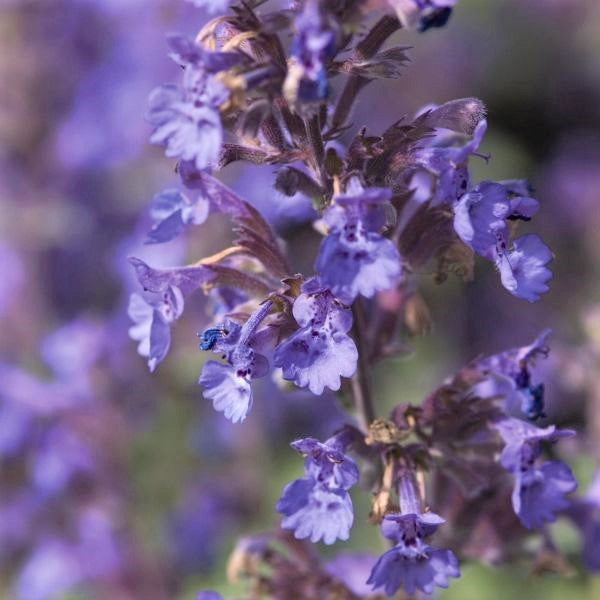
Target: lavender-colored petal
{"x":539,"y":494}
{"x":370,"y":265}
{"x":325,"y":515}
{"x":396,"y":569}
{"x":316,"y":362}
{"x":230,"y":393}
{"x":523,"y":270}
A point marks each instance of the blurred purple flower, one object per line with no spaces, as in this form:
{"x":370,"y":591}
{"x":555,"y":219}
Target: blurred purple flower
{"x":423,"y":14}
{"x":320,"y":352}
{"x":212,"y":6}
{"x":187,"y":120}
{"x":446,"y":155}
{"x":171,"y":211}
{"x":353,"y":571}
{"x":539,"y":492}
{"x":412,"y":564}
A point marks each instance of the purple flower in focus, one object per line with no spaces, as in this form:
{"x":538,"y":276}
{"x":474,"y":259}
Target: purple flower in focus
{"x":228,"y":385}
{"x":412,"y":564}
{"x":320,"y":352}
{"x":353,"y":570}
{"x":172,"y":211}
{"x":52,"y":569}
{"x":318,"y":505}
{"x":523,"y":269}
{"x":355,"y":258}
{"x":539,"y":492}
{"x":480,"y":216}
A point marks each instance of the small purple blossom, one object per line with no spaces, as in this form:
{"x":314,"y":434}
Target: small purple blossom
{"x":523,"y":269}
{"x":318,"y":505}
{"x":172,"y":211}
{"x":187,"y":120}
{"x":314,"y":45}
{"x":211,"y":6}
{"x":228,"y":385}
{"x":160,"y":306}
{"x":585,"y":514}
{"x":355,"y":258}
{"x":423,"y":14}
{"x":539,"y":492}
{"x":412,"y":564}
{"x":320,"y":352}
{"x":446,"y":157}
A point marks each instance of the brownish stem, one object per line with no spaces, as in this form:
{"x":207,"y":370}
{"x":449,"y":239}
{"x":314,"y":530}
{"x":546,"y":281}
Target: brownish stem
{"x":361,"y":384}
{"x":373,"y":41}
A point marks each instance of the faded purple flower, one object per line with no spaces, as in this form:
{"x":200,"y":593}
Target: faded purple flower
{"x":318,"y":505}
{"x":355,"y":258}
{"x":172,"y":211}
{"x":480,"y":216}
{"x":187,"y":120}
{"x":539,"y":491}
{"x":523,"y":269}
{"x":353,"y":570}
{"x":423,"y":14}
{"x":161,"y":305}
{"x":228,"y":385}
{"x":320,"y":352}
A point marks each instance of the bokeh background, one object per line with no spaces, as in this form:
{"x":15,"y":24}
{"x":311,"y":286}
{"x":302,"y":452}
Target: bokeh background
{"x":135,"y":472}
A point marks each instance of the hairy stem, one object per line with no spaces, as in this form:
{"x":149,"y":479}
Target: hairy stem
{"x":385,"y":27}
{"x":361,"y":384}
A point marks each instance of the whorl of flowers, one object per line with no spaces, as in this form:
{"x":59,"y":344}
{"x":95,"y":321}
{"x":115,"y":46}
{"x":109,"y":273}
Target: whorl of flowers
{"x":277,"y":87}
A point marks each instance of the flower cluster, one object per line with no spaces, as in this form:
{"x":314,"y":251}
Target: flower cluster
{"x":388,"y":205}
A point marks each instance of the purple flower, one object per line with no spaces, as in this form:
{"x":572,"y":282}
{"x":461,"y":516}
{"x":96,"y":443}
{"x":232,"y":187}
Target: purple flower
{"x":172,"y":211}
{"x":446,"y":158}
{"x":228,"y":385}
{"x":320,"y":352}
{"x":162,"y":304}
{"x":318,"y":505}
{"x":211,"y":6}
{"x":187,"y":120}
{"x":539,"y":492}
{"x":509,"y":374}
{"x":52,"y":569}
{"x":209,"y":595}
{"x":314,"y":45}
{"x":353,"y":569}
{"x":585,"y":513}
{"x":523,"y":269}
{"x":423,"y":14}
{"x":355,"y":258}
{"x":57,"y":459}
{"x":480,"y":216}
{"x":412,"y":564}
